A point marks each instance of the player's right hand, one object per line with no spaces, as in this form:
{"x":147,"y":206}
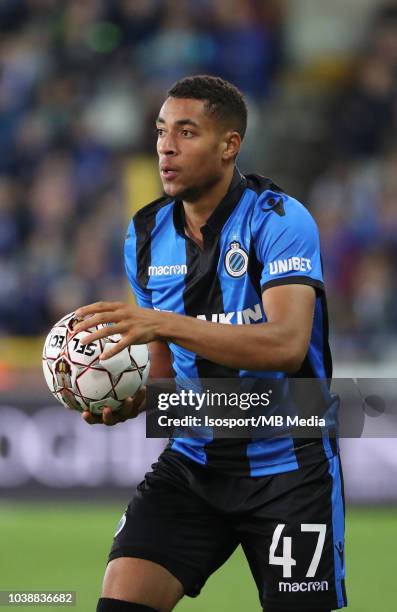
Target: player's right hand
{"x":130,"y":409}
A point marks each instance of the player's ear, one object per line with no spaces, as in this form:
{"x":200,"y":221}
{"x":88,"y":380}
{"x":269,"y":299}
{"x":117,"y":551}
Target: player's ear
{"x":231,"y":145}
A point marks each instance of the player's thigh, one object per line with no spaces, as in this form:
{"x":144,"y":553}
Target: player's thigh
{"x":294,"y":542}
{"x":141,"y":581}
{"x":171,"y":526}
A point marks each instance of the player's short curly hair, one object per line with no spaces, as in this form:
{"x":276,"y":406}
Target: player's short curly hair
{"x":224,"y":100}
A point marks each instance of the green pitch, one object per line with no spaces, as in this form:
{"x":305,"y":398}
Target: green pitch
{"x":65,"y":547}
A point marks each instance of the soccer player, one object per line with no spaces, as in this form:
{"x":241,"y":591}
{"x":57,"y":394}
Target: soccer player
{"x":220,"y":249}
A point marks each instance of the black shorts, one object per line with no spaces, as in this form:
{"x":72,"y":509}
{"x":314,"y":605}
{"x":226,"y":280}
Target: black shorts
{"x":190,"y":519}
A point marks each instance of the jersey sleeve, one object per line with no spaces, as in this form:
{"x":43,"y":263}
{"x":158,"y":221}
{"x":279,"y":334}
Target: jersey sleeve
{"x":287,"y":243}
{"x":142,"y":294}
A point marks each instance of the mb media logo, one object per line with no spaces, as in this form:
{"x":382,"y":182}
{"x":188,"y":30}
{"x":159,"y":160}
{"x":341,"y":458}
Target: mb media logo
{"x":167,"y":270}
{"x":236,"y":260}
{"x":304,"y":587}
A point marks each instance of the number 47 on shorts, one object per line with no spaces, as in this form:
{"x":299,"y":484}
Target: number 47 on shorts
{"x":286,"y":560}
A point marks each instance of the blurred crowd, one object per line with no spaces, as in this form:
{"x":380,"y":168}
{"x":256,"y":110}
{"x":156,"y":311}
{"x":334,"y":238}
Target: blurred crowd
{"x":355,"y":201}
{"x":80,"y":85}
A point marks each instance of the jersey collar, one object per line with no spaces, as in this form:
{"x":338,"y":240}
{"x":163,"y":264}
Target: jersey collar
{"x":222,"y":212}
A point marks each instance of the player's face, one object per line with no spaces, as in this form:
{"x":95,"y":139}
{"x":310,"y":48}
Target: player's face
{"x":191,"y":148}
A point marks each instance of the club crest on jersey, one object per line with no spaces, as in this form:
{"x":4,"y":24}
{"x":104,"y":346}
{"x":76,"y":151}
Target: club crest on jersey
{"x":236,"y":260}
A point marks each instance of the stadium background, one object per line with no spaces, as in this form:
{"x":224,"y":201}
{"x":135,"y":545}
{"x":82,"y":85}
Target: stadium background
{"x":80,"y":84}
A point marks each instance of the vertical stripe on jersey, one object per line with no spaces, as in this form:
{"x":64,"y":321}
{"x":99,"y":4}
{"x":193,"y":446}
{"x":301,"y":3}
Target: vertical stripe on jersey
{"x":170,"y":300}
{"x":174,"y":255}
{"x":338,"y":528}
{"x":326,"y":348}
{"x":327,"y":356}
{"x":144,"y":223}
{"x":168,"y":286}
{"x":266,"y":456}
{"x":190,"y":447}
{"x":243,"y":291}
{"x":314,"y":368}
{"x":203,"y":295}
{"x":253,"y":455}
{"x":254,"y":271}
{"x":320,"y":357}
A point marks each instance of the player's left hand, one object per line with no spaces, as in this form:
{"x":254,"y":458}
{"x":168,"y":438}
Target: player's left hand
{"x":130,"y":409}
{"x":135,"y":325}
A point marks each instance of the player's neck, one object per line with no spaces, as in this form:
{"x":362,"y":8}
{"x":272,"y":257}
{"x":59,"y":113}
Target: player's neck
{"x":197,"y":212}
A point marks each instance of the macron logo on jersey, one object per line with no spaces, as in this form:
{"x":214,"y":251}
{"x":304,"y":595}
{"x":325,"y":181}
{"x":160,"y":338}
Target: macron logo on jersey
{"x":167,"y":270}
{"x":293,"y":587}
{"x":298,"y":264}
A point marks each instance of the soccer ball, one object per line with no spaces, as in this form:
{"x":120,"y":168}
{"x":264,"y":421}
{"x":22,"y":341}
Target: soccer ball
{"x":80,"y":380}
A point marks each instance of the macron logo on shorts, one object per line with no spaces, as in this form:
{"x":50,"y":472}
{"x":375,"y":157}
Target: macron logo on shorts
{"x":167,"y":270}
{"x":298,"y":264}
{"x":304,"y":587}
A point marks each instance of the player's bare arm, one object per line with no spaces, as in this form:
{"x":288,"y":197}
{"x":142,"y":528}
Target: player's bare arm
{"x":160,"y":367}
{"x":279,"y":344}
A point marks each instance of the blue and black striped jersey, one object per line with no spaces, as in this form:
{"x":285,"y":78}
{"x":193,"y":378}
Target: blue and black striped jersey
{"x":257,"y":237}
